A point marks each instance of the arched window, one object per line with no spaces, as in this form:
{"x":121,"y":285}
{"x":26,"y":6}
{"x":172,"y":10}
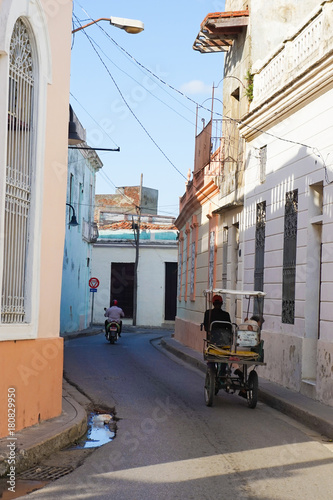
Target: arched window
{"x":19,"y":178}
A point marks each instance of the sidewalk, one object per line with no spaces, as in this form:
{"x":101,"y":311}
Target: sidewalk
{"x":309,"y":412}
{"x":39,"y":441}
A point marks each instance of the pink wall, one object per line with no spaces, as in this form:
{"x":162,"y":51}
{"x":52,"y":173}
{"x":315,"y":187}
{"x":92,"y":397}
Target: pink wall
{"x":189,"y":334}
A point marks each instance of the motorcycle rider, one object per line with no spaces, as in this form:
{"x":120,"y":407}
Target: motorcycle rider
{"x":114,"y":313}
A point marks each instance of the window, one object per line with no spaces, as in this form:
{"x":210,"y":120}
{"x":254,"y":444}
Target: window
{"x":193,"y":256}
{"x":225,"y":258}
{"x":234,"y":254}
{"x":16,"y":285}
{"x":259,"y":256}
{"x":180,"y":264}
{"x":81,"y":192}
{"x":194,"y":246}
{"x":211,"y":259}
{"x":260,"y":246}
{"x":212,"y":248}
{"x":289,"y":257}
{"x":187,"y":258}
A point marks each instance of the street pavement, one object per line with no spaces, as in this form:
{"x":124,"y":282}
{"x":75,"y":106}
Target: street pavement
{"x":35,"y":443}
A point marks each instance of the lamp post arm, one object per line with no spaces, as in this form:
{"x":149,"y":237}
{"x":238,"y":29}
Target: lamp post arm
{"x":89,"y":24}
{"x":69,"y":205}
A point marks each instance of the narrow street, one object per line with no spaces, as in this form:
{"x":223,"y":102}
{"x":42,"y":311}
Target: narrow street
{"x":169,"y":445}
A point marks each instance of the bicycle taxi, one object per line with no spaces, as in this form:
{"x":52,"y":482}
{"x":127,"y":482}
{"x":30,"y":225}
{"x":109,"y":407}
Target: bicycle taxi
{"x":233,"y":351}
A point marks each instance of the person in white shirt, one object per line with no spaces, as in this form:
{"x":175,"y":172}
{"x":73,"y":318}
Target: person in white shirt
{"x":114,"y":313}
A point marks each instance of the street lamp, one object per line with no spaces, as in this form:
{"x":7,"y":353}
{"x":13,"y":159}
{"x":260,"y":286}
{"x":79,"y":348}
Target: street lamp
{"x":132,"y":26}
{"x":73,"y":222}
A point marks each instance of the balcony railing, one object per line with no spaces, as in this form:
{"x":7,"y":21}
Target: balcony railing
{"x":295,"y":56}
{"x":89,"y":231}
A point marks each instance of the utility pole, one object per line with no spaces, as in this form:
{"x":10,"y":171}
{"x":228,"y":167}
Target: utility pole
{"x":136,"y":228}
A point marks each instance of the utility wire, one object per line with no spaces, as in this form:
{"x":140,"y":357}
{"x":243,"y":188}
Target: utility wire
{"x":145,"y":88}
{"x":239,"y":122}
{"x":129,"y":107}
{"x":138,"y":120}
{"x":142,"y":68}
{"x":93,"y":119}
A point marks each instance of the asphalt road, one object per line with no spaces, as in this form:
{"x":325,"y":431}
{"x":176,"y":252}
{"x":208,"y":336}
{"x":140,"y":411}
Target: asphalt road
{"x":169,"y":445}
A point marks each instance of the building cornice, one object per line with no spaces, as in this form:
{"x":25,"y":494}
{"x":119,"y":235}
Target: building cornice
{"x":297,"y":72}
{"x":306,"y":87}
{"x":198,"y":199}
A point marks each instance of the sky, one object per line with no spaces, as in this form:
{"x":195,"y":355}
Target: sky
{"x":121,"y":103}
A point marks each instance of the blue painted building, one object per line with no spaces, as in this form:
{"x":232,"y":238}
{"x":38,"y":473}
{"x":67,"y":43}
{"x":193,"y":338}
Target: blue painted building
{"x":75,"y":311}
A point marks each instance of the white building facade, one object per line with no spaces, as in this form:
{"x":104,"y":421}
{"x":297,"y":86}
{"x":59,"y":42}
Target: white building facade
{"x":118,"y":252}
{"x":268,"y":224}
{"x":288,"y":204}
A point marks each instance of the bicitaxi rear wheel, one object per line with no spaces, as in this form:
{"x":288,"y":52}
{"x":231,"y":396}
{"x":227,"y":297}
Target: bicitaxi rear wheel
{"x":210,"y":385}
{"x":252,"y":392}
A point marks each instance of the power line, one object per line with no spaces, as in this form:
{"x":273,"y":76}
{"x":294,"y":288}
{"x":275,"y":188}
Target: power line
{"x":145,"y":88}
{"x":138,"y":120}
{"x":95,"y":121}
{"x":129,"y":107}
{"x":239,"y":122}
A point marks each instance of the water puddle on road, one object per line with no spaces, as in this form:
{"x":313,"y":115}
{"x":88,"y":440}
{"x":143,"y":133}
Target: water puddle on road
{"x":101,"y":430}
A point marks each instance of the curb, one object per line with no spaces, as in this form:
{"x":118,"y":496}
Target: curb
{"x":82,"y":333}
{"x":313,"y":414}
{"x":39,"y":441}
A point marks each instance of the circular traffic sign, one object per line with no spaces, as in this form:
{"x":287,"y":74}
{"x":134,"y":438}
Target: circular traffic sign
{"x":93,"y":282}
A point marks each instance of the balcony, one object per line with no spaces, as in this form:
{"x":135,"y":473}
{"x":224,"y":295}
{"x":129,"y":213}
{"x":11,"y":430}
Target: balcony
{"x":295,"y":57}
{"x":89,"y":231}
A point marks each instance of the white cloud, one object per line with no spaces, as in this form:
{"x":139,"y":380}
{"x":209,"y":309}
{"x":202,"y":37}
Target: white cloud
{"x":196,"y":87}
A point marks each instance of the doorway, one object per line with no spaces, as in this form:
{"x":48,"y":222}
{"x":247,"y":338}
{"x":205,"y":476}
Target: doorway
{"x":170,"y":307}
{"x":122,"y":286}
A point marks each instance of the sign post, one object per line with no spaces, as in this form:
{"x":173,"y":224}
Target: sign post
{"x":93,"y":284}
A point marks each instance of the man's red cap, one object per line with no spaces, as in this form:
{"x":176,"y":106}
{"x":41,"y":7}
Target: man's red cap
{"x":217,"y":298}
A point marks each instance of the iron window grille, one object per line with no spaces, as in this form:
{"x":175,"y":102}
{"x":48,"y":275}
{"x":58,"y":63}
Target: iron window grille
{"x":19,"y":176}
{"x":289,"y":257}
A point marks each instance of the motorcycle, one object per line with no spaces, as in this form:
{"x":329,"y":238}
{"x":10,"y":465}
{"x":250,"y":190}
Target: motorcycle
{"x":112,"y":331}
